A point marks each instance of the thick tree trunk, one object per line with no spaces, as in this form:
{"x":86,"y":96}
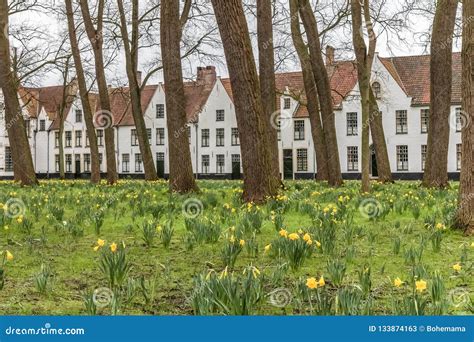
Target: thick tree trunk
{"x":266,"y":61}
{"x":323,"y":87}
{"x":465,"y":214}
{"x":23,"y":168}
{"x":378,"y":138}
{"x":104,"y":118}
{"x":84,"y":94}
{"x":181,"y":170}
{"x":436,"y":166}
{"x":312,"y":102}
{"x":248,"y":105}
{"x":135,"y":92}
{"x":62,"y":174}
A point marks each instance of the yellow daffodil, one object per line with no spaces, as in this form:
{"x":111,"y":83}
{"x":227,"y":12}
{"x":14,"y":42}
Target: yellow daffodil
{"x":472,"y":244}
{"x":306,"y":237}
{"x":96,"y":248}
{"x":19,"y":219}
{"x":100,"y":243}
{"x":268,"y":247}
{"x":242,"y":243}
{"x":293,"y":236}
{"x":9,"y":255}
{"x":321,"y":282}
{"x":457,"y":267}
{"x":283,"y":233}
{"x":232,"y":239}
{"x":420,"y":285}
{"x":113,"y":247}
{"x":309,"y":242}
{"x":398,"y":282}
{"x":318,"y":244}
{"x":312,"y":283}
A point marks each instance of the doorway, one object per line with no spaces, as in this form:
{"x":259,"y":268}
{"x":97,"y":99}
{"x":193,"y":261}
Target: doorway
{"x":288,"y":164}
{"x":373,"y":162}
{"x":160,"y":165}
{"x":236,"y":166}
{"x":77,"y":169}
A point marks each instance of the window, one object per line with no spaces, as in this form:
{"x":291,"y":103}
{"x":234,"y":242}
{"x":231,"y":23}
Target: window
{"x":78,"y":115}
{"x":100,"y":137}
{"x":219,"y":136}
{"x":220,"y":163}
{"x":87,"y":162}
{"x":352,"y":158}
{"x":148,"y":134}
{"x":42,"y":126}
{"x":220,"y":115}
{"x":299,"y":130}
{"x":68,"y":162}
{"x":352,"y":124}
{"x":459,"y":119}
{"x":138,"y":162}
{"x":424,"y":114}
{"x":160,"y":111}
{"x":134,"y":137}
{"x":188,"y":130}
{"x":235,"y":140}
{"x":279,"y":129}
{"x":2,"y":110}
{"x":424,"y":149}
{"x":401,"y":121}
{"x":160,"y":136}
{"x":235,"y":158}
{"x":160,"y":156}
{"x":56,"y":162}
{"x":28,"y":127}
{"x":87,"y":138}
{"x":205,"y":163}
{"x":402,"y":158}
{"x":78,"y":139}
{"x":205,"y":137}
{"x":56,"y":139}
{"x":458,"y":156}
{"x":287,"y":103}
{"x":302,"y":159}
{"x":125,"y":162}
{"x":8,"y":159}
{"x":376,"y":88}
{"x":68,"y":139}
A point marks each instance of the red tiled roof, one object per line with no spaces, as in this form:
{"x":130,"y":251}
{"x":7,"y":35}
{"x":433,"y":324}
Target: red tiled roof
{"x":413,"y":75}
{"x":121,"y":107}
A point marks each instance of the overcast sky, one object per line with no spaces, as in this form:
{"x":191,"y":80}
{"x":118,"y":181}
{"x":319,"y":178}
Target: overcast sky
{"x":387,"y":45}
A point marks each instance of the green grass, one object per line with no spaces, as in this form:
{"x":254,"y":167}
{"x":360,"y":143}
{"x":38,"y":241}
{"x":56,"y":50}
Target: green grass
{"x":169,"y":273}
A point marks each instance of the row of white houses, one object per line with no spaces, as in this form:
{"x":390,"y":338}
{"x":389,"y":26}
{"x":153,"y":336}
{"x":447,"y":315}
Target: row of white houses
{"x":401,"y":85}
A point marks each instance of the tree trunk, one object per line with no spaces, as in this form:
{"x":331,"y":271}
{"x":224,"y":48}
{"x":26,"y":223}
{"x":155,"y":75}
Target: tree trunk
{"x":378,"y":138}
{"x":465,"y":213}
{"x":84,"y":94}
{"x":312,"y":102}
{"x":323,"y":87}
{"x":266,"y":61}
{"x":103,"y":118}
{"x":436,"y":166}
{"x":23,"y":167}
{"x":248,"y":104}
{"x":181,"y":170}
{"x":62,"y":174}
{"x":135,"y":91}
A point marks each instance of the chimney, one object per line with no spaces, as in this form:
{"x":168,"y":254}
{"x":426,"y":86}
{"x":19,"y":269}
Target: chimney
{"x":139,"y":78}
{"x":330,"y":55}
{"x":206,"y":76}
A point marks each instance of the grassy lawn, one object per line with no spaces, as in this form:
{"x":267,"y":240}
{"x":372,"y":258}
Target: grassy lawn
{"x":134,"y":249}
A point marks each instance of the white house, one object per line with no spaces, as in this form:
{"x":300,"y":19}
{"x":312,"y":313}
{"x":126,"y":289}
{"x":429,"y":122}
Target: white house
{"x":401,"y":85}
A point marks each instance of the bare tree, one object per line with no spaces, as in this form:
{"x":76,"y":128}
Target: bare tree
{"x":465,"y":213}
{"x":323,"y":87}
{"x":131,"y":60}
{"x":104,"y":118}
{"x":84,"y":94}
{"x":21,"y":154}
{"x":312,"y":101}
{"x":436,"y":169}
{"x":267,"y":79}
{"x":248,"y":103}
{"x":181,"y":170}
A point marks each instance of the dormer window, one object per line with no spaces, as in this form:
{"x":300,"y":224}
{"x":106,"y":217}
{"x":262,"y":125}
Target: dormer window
{"x":377,"y":90}
{"x":287,"y":103}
